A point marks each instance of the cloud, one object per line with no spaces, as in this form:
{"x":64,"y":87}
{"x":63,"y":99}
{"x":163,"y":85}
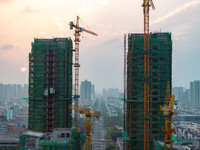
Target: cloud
{"x":104,"y":2}
{"x":5,"y":1}
{"x":7,"y":47}
{"x":30,"y":9}
{"x":114,"y":41}
{"x":93,"y":7}
{"x":178,"y":10}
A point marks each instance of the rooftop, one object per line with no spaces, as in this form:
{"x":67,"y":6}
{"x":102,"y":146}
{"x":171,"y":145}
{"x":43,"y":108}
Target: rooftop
{"x":33,"y":133}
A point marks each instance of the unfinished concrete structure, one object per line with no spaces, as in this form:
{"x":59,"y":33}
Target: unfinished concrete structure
{"x":50,"y":84}
{"x":160,"y":59}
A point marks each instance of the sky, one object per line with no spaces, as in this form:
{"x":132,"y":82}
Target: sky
{"x":101,"y":58}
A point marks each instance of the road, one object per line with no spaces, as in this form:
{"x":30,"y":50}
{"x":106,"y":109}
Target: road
{"x":98,"y":134}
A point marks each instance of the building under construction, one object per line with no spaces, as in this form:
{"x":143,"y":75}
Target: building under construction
{"x":160,"y":71}
{"x":50,"y":84}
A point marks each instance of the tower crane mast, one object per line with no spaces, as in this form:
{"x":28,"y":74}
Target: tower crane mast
{"x":168,"y":112}
{"x":125,"y":79}
{"x":146,"y":5}
{"x":88,"y":114}
{"x":78,"y":30}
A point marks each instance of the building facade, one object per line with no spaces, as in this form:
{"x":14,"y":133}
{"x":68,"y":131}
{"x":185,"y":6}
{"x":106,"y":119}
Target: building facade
{"x":186,"y":97}
{"x":179,"y":94}
{"x":50,"y":84}
{"x":85,"y":92}
{"x":12,"y":112}
{"x":92,"y":92}
{"x":160,"y":58}
{"x":1,"y":90}
{"x":195,"y":93}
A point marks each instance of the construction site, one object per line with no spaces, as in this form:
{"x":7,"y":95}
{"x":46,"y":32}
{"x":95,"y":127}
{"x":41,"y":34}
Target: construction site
{"x":148,"y":100}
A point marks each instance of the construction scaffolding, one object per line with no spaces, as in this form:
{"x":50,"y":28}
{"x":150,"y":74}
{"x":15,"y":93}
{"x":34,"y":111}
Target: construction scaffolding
{"x":50,"y":84}
{"x":160,"y":68}
{"x":55,"y":145}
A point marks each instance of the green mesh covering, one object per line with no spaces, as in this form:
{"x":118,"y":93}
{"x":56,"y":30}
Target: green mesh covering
{"x":22,"y":141}
{"x":37,"y":82}
{"x":55,"y":145}
{"x":160,"y":72}
{"x":158,"y":146}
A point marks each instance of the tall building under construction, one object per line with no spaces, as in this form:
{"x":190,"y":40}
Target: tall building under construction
{"x":50,"y":84}
{"x":160,"y":71}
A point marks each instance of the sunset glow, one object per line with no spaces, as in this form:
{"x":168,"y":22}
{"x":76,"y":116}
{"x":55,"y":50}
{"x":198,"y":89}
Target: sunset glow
{"x":23,"y":69}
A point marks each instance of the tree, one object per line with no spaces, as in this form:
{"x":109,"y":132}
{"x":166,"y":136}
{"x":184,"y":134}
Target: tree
{"x":110,"y":146}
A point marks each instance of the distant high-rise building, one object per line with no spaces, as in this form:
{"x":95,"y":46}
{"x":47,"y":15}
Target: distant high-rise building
{"x":4,"y":91}
{"x":50,"y":84}
{"x":186,"y":97}
{"x":92,"y":92}
{"x":195,"y":93}
{"x":160,"y":72}
{"x":82,"y":93}
{"x":85,"y":92}
{"x":25,"y":90}
{"x":19,"y":91}
{"x":1,"y":90}
{"x":7,"y":91}
{"x":178,"y":92}
{"x":14,"y":90}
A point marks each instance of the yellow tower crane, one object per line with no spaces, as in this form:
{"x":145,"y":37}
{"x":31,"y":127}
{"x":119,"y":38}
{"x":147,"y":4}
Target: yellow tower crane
{"x":146,"y":5}
{"x":167,"y":110}
{"x":78,"y":30}
{"x":88,"y":114}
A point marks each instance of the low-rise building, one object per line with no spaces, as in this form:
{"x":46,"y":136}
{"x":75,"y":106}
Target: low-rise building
{"x":3,"y":128}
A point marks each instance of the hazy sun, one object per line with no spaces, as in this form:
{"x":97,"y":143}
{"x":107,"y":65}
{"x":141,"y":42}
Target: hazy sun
{"x":23,"y":69}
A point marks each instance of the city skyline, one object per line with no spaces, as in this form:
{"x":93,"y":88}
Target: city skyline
{"x":101,"y":58}
{"x":10,"y":91}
